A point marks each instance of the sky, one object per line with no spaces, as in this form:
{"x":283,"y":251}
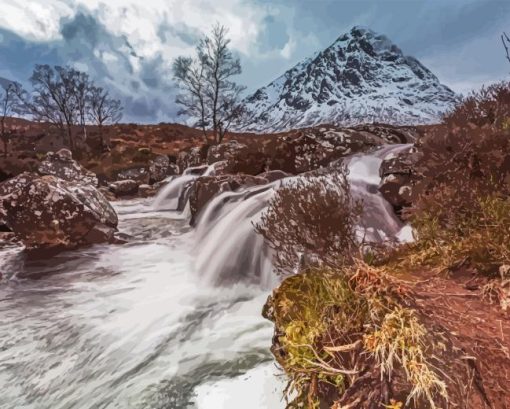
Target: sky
{"x":129,"y":45}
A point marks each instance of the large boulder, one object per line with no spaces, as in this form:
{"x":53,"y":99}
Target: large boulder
{"x":62,"y":165}
{"x":159,"y":169}
{"x":225,"y":151}
{"x":49,"y":212}
{"x":206,"y":187}
{"x":397,"y":178}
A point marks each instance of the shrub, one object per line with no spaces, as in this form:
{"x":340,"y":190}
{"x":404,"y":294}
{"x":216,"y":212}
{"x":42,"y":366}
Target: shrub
{"x":312,"y":218}
{"x":490,"y":106}
{"x":461,"y":198}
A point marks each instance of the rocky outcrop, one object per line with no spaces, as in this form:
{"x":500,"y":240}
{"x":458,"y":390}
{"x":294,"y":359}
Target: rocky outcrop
{"x":397,"y":178}
{"x":62,"y":165}
{"x":206,"y":187}
{"x":49,"y":212}
{"x":193,"y":157}
{"x":313,"y":148}
{"x":126,"y":187}
{"x":225,"y":151}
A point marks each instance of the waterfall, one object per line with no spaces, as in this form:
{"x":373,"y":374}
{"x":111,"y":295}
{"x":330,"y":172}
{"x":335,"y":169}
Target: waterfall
{"x":227,"y":247}
{"x":174,"y":195}
{"x":227,"y":244}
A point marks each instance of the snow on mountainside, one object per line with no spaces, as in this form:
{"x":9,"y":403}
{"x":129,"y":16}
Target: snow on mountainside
{"x":361,"y":78}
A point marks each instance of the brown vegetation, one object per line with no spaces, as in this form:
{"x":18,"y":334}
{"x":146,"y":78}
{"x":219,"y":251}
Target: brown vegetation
{"x":312,"y":220}
{"x":423,"y":325}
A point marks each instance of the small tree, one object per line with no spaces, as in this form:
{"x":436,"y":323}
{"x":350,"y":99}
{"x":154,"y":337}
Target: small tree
{"x":210,"y":95}
{"x":10,"y":100}
{"x":104,"y":110}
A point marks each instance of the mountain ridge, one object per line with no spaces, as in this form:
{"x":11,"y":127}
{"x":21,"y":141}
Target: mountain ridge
{"x":362,"y":77}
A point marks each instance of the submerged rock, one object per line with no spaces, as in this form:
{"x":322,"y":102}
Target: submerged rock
{"x":62,"y":165}
{"x":48,"y":212}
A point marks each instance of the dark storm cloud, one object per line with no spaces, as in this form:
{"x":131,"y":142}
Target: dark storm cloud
{"x":90,"y":47}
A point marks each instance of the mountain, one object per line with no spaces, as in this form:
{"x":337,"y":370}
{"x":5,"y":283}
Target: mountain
{"x":361,"y":78}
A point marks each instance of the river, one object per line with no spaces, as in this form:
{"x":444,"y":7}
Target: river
{"x":170,"y":320}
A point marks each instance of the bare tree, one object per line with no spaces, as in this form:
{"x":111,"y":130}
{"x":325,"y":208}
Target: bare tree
{"x":10,"y":101}
{"x":221,"y":65}
{"x":55,"y":97}
{"x":506,"y":44}
{"x":82,"y":88}
{"x":190,"y":75}
{"x":209,"y":93}
{"x":104,"y":110}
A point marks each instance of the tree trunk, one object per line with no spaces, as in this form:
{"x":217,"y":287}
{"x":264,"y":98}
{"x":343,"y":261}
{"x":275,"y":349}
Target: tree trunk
{"x":105,"y":146}
{"x":4,"y":136}
{"x":70,"y":138}
{"x":6,"y":144}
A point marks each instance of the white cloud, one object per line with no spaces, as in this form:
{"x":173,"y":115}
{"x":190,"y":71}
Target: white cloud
{"x":34,"y":20}
{"x":39,"y":20}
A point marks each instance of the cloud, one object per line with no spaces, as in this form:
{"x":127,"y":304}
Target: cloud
{"x":126,"y":45}
{"x":129,"y":45}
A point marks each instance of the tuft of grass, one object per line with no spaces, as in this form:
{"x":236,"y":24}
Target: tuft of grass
{"x":401,"y":339}
{"x":334,"y":325}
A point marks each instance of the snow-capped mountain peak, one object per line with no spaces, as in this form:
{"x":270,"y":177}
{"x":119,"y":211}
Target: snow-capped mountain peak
{"x":362,"y":77}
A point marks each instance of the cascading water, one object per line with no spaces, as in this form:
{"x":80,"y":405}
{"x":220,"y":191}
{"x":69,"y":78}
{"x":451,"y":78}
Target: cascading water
{"x":228,"y":248}
{"x":140,"y":325}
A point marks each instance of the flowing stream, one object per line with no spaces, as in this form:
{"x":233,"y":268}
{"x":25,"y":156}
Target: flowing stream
{"x":170,"y":320}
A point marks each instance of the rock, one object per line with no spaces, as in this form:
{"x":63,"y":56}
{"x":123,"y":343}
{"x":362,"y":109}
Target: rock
{"x":274,"y":175}
{"x":247,"y":162}
{"x":147,"y":190}
{"x":49,"y":212}
{"x":196,"y":156}
{"x":173,"y":169}
{"x":225,"y":151}
{"x":318,"y":147}
{"x":159,"y":169}
{"x":107,"y":193}
{"x":62,"y":165}
{"x":206,"y":187}
{"x":126,"y":187}
{"x":397,"y":177}
{"x":8,"y":239}
{"x":139,"y":174}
